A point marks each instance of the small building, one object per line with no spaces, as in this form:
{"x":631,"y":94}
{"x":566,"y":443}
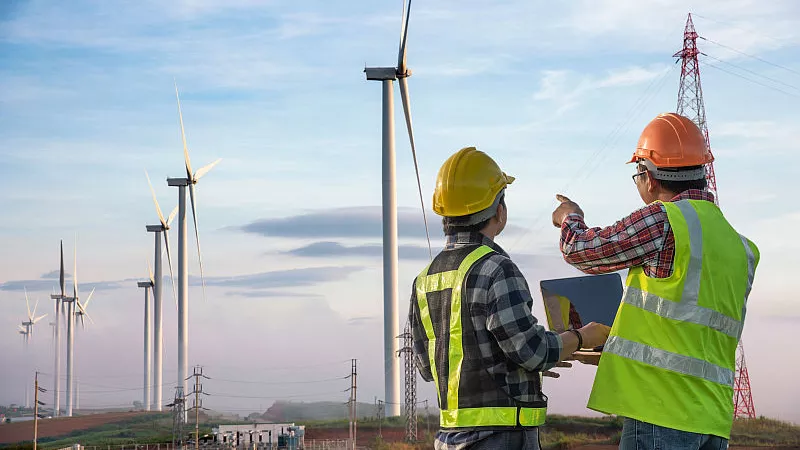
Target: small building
{"x":260,"y":435}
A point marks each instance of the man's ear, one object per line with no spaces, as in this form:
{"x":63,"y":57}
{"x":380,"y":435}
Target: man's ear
{"x":652,"y":183}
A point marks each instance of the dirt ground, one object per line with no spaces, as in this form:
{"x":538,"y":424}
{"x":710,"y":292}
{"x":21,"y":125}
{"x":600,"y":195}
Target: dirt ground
{"x":23,"y":431}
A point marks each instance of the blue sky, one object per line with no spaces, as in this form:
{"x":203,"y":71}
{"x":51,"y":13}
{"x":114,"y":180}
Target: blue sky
{"x":289,"y":220}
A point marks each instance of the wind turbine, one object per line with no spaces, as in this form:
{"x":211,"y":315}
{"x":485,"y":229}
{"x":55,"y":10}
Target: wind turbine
{"x":147,"y":285}
{"x":32,"y":319}
{"x":189,"y":180}
{"x":71,"y":314}
{"x":59,"y":298}
{"x":391,"y":328}
{"x":158,"y":281}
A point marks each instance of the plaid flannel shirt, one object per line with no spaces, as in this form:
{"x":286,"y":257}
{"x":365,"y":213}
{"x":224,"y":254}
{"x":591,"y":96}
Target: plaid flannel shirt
{"x":502,"y":319}
{"x":644,"y":238}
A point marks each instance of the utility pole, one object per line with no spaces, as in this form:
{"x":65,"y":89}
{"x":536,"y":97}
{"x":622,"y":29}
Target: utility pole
{"x":198,"y":403}
{"x":380,"y":418}
{"x":352,"y":402}
{"x":36,"y":404}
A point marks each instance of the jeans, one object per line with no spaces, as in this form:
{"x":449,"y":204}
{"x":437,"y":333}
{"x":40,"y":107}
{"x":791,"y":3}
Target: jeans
{"x":638,"y":435}
{"x":511,"y":440}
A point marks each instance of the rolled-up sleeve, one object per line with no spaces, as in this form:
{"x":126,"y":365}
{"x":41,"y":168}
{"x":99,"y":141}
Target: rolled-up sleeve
{"x":419,"y":338}
{"x":511,"y":322}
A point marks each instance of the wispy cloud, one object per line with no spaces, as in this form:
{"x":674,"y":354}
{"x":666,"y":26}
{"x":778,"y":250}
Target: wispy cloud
{"x":309,"y":276}
{"x":328,"y":249}
{"x":566,"y":89}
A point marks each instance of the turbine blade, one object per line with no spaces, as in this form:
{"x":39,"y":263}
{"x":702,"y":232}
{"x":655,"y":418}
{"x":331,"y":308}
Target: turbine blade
{"x":183,"y":136}
{"x":27,"y":303}
{"x":86,"y":303}
{"x":35,"y":305}
{"x":83,"y":325}
{"x":172,"y":216}
{"x":401,"y":57}
{"x":169,"y":262}
{"x":40,"y":318}
{"x":61,"y":280}
{"x":88,"y":317}
{"x":204,"y":170}
{"x":403,"y":81}
{"x":149,"y":270}
{"x":197,"y":237}
{"x":75,"y":271}
{"x":155,"y":200}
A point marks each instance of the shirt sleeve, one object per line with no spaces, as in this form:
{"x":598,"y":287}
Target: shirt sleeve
{"x":511,"y":322}
{"x":631,"y":242}
{"x":419,"y":338}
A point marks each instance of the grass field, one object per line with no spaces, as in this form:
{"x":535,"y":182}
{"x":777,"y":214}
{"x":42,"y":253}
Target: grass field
{"x":560,"y":432}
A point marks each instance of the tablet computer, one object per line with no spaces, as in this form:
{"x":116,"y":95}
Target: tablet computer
{"x":571,"y":303}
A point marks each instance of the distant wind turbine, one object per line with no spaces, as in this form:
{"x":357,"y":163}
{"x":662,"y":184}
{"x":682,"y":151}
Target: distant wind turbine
{"x":147,"y":285}
{"x":158,"y":322}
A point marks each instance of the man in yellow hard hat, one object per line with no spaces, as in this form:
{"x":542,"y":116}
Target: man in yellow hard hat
{"x":668,"y":366}
{"x":473,"y":331}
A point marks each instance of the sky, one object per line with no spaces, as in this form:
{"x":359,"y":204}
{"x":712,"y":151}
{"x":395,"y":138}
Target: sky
{"x":290,"y":219}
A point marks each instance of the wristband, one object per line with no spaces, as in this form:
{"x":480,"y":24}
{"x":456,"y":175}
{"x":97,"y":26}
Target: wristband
{"x":580,"y":338}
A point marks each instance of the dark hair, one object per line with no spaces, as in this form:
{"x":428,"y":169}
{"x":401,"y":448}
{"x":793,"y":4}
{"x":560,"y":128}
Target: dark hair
{"x":676,"y":187}
{"x":449,"y":228}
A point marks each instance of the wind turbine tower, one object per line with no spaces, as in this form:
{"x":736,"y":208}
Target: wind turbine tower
{"x":71,"y":314}
{"x":59,"y":298}
{"x":147,"y":285}
{"x":190,"y":180}
{"x":158,"y":281}
{"x":387,"y":76}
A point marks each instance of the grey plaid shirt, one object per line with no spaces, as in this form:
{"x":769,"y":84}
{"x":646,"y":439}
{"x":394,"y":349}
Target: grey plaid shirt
{"x":503,"y":320}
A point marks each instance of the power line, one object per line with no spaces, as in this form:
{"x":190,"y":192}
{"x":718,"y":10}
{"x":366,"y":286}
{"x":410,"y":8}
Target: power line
{"x":708,"y":64}
{"x":748,"y":30}
{"x":279,"y":382}
{"x":749,"y":55}
{"x":750,"y":71}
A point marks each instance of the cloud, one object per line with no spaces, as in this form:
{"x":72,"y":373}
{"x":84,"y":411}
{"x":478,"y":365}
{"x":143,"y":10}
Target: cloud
{"x":271,"y":294}
{"x":355,"y":222}
{"x":565,"y":87}
{"x":281,"y":278}
{"x":49,"y":285}
{"x":356,"y":321}
{"x":327,"y":249}
{"x":53,"y":275}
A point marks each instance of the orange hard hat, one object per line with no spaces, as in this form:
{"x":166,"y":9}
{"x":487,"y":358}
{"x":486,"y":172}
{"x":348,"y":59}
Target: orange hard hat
{"x":672,"y":140}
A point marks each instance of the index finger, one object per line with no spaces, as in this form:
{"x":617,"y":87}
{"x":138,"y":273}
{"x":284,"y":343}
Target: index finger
{"x":562,"y":198}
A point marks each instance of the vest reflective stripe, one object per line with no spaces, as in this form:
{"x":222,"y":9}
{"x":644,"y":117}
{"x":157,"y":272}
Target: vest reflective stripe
{"x":668,"y":360}
{"x":670,"y":356}
{"x":455,"y":417}
{"x":691,"y":284}
{"x":751,"y":273}
{"x":683,"y":312}
{"x":492,"y":415}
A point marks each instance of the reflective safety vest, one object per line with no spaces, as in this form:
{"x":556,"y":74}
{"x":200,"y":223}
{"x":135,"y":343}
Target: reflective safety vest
{"x":671,"y":354}
{"x":469,"y":397}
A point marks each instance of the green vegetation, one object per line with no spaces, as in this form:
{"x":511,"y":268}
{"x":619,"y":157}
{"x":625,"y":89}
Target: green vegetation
{"x":560,"y":432}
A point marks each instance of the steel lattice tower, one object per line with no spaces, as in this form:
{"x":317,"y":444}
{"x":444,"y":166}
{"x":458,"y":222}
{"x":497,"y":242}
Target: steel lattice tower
{"x":410,"y":383}
{"x":691,"y":105}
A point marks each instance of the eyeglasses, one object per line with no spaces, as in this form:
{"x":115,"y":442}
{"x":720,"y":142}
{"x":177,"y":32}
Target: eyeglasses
{"x":633,"y":177}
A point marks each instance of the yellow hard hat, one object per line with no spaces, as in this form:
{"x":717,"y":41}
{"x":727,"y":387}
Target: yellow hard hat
{"x":468,"y":182}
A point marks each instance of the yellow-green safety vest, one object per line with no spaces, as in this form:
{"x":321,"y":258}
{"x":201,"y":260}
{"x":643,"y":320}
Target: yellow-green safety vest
{"x":670,"y":357}
{"x":460,"y":413}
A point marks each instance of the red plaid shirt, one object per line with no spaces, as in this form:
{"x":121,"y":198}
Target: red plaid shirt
{"x":644,"y":239}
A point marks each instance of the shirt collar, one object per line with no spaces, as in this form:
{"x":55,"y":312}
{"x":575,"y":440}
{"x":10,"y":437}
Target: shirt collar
{"x":466,"y":238}
{"x":694,"y":194}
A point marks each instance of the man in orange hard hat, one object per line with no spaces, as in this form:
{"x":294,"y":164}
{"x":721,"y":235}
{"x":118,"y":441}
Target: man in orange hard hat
{"x":473,"y":331}
{"x":669,"y":363}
